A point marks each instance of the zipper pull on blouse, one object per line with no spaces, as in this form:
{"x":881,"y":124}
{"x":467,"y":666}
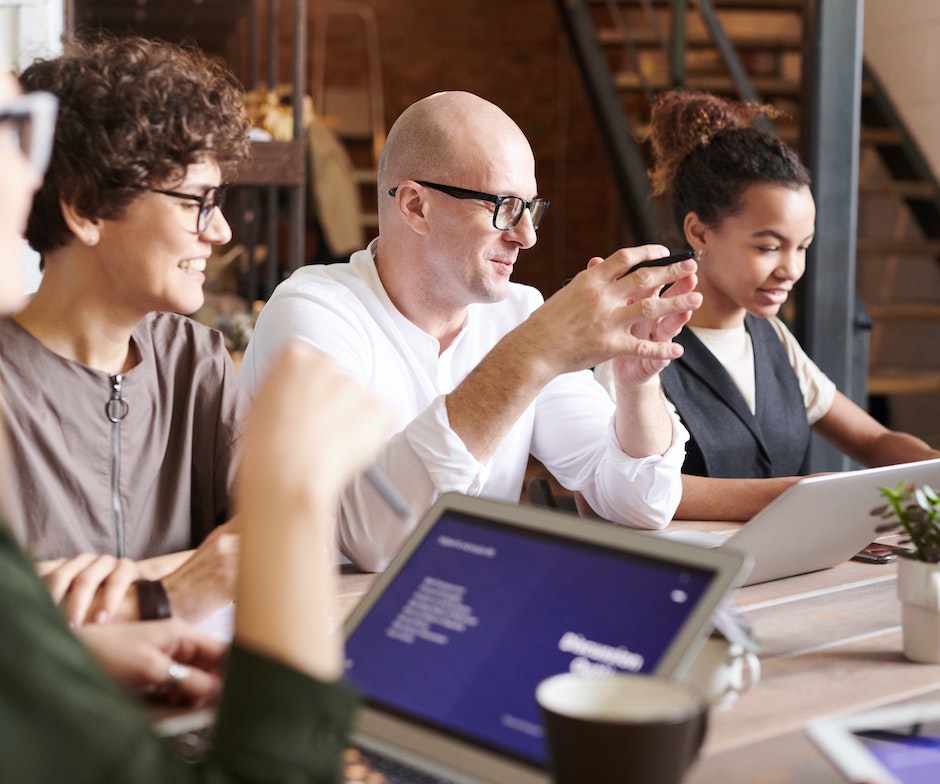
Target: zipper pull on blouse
{"x":116,"y":407}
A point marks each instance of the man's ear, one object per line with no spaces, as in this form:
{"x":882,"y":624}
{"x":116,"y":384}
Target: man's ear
{"x":86,"y":230}
{"x":412,"y":206}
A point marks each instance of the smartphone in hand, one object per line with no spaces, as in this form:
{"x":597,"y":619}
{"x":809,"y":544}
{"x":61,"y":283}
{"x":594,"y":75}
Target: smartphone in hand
{"x":665,"y":261}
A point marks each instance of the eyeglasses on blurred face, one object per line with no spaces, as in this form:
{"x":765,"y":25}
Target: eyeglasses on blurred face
{"x":507,"y":211}
{"x":27,"y":123}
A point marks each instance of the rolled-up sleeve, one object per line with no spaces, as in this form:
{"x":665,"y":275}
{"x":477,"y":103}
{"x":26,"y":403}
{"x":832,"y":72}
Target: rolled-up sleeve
{"x":576,"y":441}
{"x":423,"y":461}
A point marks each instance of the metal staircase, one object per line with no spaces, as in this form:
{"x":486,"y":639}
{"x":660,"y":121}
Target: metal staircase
{"x":898,"y":247}
{"x":629,"y":50}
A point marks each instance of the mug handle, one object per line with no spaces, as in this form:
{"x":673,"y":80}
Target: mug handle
{"x":750,"y":672}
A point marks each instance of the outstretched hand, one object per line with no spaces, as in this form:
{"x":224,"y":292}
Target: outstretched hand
{"x":630,"y":369}
{"x":166,"y":659}
{"x":606,"y":314}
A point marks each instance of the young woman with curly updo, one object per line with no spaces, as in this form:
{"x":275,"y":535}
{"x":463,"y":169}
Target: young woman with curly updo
{"x":745,"y":389}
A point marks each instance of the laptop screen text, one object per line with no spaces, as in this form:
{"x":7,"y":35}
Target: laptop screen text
{"x":482,"y":612}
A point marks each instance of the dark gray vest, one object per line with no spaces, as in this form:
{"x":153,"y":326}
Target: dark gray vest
{"x":727,"y":440}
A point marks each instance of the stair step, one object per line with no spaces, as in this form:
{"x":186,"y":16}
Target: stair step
{"x":903,"y":381}
{"x":715,"y":83}
{"x":904,"y":312}
{"x":611,"y":36}
{"x":881,"y":137}
{"x":908,"y":189}
{"x":766,"y":87}
{"x":790,"y":133}
{"x":887,"y":245}
{"x":747,"y":5}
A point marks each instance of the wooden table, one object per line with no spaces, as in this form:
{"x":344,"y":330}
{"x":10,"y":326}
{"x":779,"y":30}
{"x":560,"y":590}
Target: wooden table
{"x":831,"y":642}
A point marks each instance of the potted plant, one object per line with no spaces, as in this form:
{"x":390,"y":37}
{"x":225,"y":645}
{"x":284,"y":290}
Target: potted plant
{"x":915,"y":510}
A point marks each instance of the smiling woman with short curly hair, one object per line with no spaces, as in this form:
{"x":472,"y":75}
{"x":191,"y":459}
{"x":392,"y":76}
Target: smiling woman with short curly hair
{"x":126,"y":416}
{"x":133,"y":114}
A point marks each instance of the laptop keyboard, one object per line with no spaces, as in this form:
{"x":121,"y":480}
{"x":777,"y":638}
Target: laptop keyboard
{"x":358,"y":767}
{"x":370,"y":767}
{"x":192,"y":745}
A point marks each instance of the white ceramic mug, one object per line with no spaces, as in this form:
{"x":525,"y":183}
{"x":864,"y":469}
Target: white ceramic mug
{"x":722,"y":670}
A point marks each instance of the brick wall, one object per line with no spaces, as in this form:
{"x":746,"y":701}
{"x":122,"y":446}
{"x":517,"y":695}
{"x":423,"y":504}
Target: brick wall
{"x":516,"y":56}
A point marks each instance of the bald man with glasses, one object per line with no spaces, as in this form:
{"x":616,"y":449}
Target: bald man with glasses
{"x":480,"y":371}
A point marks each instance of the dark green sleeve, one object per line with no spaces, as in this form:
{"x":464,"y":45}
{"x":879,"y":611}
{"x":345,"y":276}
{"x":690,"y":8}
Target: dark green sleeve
{"x":285,"y":737}
{"x":64,"y":720}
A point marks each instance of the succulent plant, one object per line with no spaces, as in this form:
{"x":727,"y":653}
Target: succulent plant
{"x":915,"y":510}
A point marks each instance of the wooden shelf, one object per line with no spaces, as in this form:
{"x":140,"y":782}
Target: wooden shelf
{"x":210,"y":22}
{"x":274,"y":163}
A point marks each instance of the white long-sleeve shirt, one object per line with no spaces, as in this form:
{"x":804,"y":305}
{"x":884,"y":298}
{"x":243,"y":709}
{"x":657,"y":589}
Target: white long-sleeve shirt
{"x":344,"y":311}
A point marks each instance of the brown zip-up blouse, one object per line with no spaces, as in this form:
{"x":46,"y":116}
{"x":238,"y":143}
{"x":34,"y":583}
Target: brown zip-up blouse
{"x":135,"y":465}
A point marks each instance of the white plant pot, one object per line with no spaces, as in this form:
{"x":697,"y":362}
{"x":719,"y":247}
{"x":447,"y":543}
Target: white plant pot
{"x":919,"y":592}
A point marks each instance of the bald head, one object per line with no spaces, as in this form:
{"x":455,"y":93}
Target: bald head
{"x":435,"y":254}
{"x":451,"y":137}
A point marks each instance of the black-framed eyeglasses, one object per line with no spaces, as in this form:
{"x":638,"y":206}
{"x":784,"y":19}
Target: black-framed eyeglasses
{"x":31,"y":118}
{"x":209,"y":201}
{"x":507,"y":210}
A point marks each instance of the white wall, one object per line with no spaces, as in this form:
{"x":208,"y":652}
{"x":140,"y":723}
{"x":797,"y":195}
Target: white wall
{"x":902,"y":45}
{"x":28,"y":29}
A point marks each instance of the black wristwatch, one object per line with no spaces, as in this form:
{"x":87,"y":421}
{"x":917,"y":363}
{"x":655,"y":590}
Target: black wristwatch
{"x":152,"y":601}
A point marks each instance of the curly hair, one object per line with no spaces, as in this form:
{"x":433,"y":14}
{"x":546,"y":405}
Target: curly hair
{"x":133,"y":114}
{"x":708,"y":150}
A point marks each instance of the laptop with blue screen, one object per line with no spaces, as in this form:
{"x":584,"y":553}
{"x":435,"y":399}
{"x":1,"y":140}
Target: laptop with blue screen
{"x":486,"y":599}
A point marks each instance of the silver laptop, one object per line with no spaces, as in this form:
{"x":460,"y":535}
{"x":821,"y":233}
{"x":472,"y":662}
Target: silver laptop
{"x":819,"y":522}
{"x":485,"y":600}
